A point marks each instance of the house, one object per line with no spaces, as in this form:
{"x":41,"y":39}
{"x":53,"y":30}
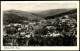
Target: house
{"x":8,"y":25}
{"x":26,"y":25}
{"x":32,"y":23}
{"x":28,"y":36}
{"x":22,"y":34}
{"x":65,"y":18}
{"x":50,"y":27}
{"x":16,"y":24}
{"x":55,"y":34}
{"x":19,"y":29}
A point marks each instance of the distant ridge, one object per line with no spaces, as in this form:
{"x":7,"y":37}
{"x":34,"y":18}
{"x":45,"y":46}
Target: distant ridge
{"x":73,"y":12}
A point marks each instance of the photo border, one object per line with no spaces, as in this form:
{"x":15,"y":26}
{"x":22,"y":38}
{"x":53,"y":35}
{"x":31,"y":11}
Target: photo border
{"x":0,"y":25}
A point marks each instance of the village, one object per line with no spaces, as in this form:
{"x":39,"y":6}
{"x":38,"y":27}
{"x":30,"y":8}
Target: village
{"x":21,"y":34}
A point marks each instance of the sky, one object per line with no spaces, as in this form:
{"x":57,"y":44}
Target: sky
{"x":37,"y":6}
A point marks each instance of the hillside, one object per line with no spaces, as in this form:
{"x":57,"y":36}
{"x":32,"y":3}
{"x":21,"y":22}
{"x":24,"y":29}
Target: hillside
{"x":52,"y":12}
{"x":15,"y":16}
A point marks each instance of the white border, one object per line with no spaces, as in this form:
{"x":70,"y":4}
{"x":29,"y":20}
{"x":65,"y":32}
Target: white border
{"x":40,"y":47}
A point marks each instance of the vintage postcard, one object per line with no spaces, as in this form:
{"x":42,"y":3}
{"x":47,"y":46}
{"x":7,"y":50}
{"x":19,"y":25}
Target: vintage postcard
{"x":39,"y":25}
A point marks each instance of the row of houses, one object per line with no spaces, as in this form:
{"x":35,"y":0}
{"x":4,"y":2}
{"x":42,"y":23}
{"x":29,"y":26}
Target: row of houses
{"x":22,"y":29}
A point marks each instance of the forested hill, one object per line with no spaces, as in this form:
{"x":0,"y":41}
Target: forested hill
{"x":72,"y":13}
{"x":52,"y":12}
{"x":15,"y":16}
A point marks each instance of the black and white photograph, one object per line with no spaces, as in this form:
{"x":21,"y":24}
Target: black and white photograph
{"x":39,"y":24}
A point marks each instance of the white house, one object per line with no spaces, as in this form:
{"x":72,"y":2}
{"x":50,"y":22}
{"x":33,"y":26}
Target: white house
{"x":16,"y":24}
{"x":55,"y":35}
{"x":28,"y":36}
{"x":19,"y":29}
{"x":22,"y":33}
